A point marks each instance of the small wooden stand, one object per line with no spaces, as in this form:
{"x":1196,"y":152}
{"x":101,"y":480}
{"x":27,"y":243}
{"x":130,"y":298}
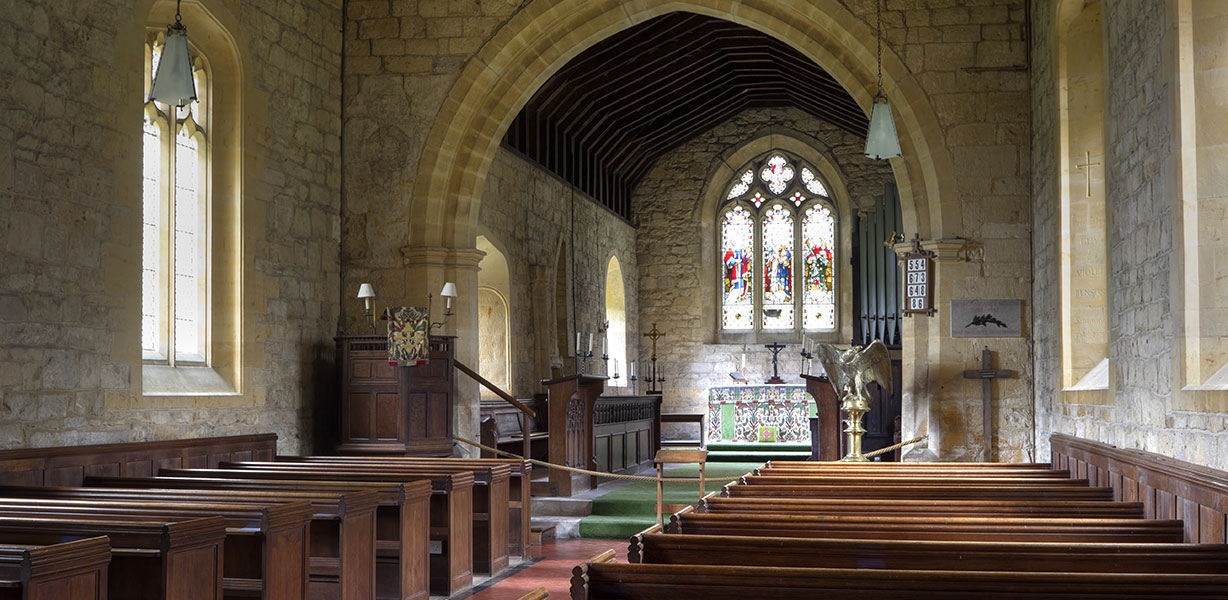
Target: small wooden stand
{"x":677,"y":456}
{"x":697,"y":418}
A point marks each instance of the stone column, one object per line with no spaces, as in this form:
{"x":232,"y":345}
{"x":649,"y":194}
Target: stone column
{"x":425,"y":272}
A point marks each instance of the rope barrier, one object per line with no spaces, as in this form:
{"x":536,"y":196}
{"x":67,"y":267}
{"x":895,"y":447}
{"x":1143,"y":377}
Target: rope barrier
{"x":896,"y":446}
{"x":571,"y":469}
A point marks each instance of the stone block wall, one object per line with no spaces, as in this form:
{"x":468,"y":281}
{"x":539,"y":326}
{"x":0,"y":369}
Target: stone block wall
{"x":531,"y":216}
{"x":70,"y":237}
{"x":1144,"y":409}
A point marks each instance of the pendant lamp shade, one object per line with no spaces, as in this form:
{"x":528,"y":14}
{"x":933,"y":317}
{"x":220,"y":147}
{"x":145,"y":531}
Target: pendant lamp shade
{"x":173,"y":83}
{"x":882,"y":141}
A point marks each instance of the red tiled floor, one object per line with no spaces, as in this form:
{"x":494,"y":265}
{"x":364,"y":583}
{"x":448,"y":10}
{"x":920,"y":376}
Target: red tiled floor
{"x":552,"y":570}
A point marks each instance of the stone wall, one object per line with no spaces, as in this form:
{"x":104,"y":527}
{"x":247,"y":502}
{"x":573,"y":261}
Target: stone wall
{"x":535,"y":219}
{"x":70,"y":210}
{"x":1144,"y":408}
{"x":676,"y":282}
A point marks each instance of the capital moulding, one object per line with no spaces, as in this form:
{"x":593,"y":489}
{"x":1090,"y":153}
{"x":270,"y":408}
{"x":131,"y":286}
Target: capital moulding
{"x":457,"y":258}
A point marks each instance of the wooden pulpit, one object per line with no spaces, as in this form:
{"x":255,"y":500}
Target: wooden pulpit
{"x":825,"y":438}
{"x":571,"y":401}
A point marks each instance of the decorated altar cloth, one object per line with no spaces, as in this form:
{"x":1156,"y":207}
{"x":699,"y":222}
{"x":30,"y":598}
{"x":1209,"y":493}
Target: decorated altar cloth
{"x":754,"y":413}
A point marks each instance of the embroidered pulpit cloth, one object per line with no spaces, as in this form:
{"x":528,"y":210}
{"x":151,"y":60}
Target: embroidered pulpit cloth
{"x":408,"y":339}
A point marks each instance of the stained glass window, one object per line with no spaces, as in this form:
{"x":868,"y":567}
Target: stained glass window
{"x":738,"y":246}
{"x":818,"y":295}
{"x":773,"y":213}
{"x":778,"y":268}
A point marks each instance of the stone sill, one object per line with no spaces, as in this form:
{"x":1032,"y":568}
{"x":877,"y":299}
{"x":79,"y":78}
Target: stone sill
{"x":163,"y":380}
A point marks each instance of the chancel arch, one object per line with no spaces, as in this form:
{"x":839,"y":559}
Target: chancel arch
{"x":1202,"y":83}
{"x":494,"y":317}
{"x":1083,"y":217}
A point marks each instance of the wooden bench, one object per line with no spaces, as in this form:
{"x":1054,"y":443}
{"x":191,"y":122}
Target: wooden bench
{"x":934,"y":508}
{"x":342,"y":527}
{"x":928,"y":528}
{"x":451,"y":507}
{"x":75,"y":570}
{"x":653,"y":547}
{"x":500,"y":428}
{"x":150,"y":560}
{"x":600,"y":577}
{"x":929,"y":480}
{"x":402,"y":521}
{"x":902,"y":466}
{"x":519,"y":487}
{"x":889,"y":474}
{"x":490,"y":510}
{"x":266,"y":547}
{"x":920,"y":492}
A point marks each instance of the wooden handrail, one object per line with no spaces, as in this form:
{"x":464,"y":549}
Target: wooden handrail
{"x":494,"y":388}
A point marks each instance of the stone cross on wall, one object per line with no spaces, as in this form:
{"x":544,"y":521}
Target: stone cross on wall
{"x":987,"y":374}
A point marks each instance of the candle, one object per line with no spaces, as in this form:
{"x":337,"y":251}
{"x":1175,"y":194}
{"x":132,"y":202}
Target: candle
{"x":743,"y":363}
{"x":616,"y":368}
{"x":577,"y":342}
{"x":631,"y":369}
{"x":605,"y":350}
{"x":590,"y":341}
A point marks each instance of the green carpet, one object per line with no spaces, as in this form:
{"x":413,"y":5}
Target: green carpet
{"x":626,"y":511}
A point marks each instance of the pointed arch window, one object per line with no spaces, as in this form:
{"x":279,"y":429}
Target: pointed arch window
{"x":175,"y":207}
{"x":779,"y":212}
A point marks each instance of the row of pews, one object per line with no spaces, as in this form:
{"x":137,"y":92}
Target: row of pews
{"x":225,"y":518}
{"x":886,"y":530}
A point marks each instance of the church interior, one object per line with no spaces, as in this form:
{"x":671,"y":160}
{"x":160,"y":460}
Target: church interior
{"x":384,"y":299}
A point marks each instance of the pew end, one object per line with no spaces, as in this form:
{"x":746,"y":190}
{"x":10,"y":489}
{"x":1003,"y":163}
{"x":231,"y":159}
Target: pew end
{"x":579,"y":574}
{"x":675,"y":520}
{"x":537,"y":594}
{"x":637,"y":542}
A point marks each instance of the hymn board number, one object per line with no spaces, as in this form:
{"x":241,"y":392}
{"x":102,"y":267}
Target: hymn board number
{"x":918,"y":280}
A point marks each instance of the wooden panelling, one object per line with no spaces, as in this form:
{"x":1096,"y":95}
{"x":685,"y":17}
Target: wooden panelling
{"x":68,"y":466}
{"x":1168,"y":488}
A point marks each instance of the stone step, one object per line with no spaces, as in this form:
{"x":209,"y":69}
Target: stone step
{"x":559,"y":528}
{"x":562,"y":507}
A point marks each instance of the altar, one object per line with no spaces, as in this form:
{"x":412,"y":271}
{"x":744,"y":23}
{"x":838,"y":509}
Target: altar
{"x":754,"y":413}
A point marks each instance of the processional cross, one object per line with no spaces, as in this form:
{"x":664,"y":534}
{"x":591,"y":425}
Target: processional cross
{"x":1087,"y":165}
{"x":775,"y":347}
{"x":987,"y":374}
{"x":654,"y":335}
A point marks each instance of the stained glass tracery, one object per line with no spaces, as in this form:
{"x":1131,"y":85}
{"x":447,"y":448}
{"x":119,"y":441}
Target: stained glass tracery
{"x":785,"y":217}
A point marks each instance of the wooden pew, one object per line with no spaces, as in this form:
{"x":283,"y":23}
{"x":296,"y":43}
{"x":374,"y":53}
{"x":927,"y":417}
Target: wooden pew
{"x":653,"y":547}
{"x":266,"y":547}
{"x":601,"y":577}
{"x":934,"y":508}
{"x":930,"y":480}
{"x":150,"y":560}
{"x":928,"y":528}
{"x":892,"y":473}
{"x":904,"y":466}
{"x":451,"y":570}
{"x":490,"y":499}
{"x":920,"y":492}
{"x":402,"y":521}
{"x":75,"y":570}
{"x":342,"y":527}
{"x":519,"y":487}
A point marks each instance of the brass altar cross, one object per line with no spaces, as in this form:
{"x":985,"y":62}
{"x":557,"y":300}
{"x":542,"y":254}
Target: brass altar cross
{"x":1088,"y":164}
{"x":654,"y":335}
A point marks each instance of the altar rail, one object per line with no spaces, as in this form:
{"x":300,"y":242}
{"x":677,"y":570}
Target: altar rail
{"x":70,"y":465}
{"x":1168,"y":488}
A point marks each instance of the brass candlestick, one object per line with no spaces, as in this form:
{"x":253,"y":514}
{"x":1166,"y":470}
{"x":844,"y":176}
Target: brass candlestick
{"x":856,"y":406}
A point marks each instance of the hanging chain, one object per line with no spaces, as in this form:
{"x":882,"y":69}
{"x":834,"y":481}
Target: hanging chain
{"x":878,"y":9}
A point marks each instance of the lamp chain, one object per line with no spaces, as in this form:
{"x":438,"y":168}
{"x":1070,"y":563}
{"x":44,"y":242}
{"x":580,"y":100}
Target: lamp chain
{"x":878,"y":9}
{"x":178,"y":17}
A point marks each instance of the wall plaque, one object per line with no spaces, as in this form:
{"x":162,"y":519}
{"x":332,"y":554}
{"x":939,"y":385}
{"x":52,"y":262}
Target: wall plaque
{"x":987,"y":318}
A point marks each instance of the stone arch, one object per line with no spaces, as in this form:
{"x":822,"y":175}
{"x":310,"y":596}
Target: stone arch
{"x":723,"y":170}
{"x":545,"y":34}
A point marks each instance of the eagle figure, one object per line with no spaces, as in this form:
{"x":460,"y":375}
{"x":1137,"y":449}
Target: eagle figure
{"x":851,"y":371}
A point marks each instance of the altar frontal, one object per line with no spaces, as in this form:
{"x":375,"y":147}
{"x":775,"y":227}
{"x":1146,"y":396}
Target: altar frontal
{"x":759,"y":413}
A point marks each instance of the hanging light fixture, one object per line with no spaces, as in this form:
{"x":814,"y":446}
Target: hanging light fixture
{"x":882,"y":142}
{"x":173,"y":84}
